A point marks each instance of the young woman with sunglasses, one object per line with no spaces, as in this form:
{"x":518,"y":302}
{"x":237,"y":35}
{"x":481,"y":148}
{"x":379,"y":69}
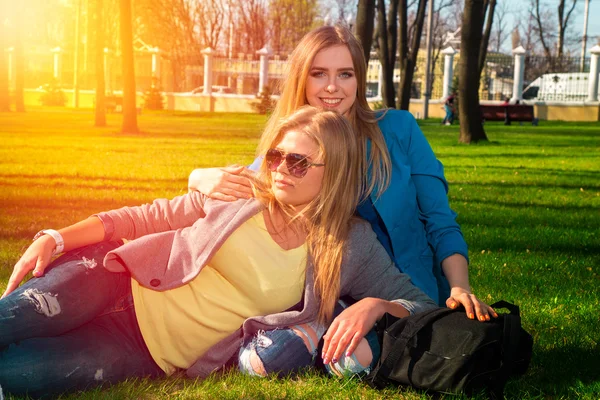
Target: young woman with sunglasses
{"x":201,"y":279}
{"x":408,"y":205}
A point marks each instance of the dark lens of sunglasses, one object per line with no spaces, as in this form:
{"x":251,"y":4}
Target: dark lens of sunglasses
{"x":296,"y":164}
{"x":273,"y":159}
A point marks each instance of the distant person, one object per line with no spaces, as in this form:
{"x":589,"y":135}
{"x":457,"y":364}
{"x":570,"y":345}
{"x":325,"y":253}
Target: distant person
{"x":450,"y":110}
{"x":507,"y":105}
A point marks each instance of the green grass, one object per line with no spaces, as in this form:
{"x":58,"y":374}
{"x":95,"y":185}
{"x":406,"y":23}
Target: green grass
{"x":528,"y":202}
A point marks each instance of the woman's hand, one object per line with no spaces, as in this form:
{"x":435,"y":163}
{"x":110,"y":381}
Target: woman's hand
{"x":36,"y":258}
{"x":348,"y":328}
{"x":473,"y":306}
{"x":227,"y":184}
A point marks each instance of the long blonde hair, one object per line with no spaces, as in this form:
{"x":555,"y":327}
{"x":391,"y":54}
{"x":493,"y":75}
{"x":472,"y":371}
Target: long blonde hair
{"x":327,"y":217}
{"x":360,"y":115}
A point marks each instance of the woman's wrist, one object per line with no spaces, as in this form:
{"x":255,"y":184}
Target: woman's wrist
{"x":51,"y":237}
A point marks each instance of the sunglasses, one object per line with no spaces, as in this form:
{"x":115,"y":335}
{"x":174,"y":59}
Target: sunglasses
{"x":297,"y":164}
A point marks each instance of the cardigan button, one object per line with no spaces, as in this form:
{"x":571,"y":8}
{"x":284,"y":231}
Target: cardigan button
{"x":154,"y":282}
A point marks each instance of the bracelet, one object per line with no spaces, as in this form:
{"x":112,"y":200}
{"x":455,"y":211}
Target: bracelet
{"x":60,"y":243}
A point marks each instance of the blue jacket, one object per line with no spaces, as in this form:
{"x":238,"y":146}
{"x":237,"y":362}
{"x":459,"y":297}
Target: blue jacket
{"x":418,"y":222}
{"x":414,"y":221}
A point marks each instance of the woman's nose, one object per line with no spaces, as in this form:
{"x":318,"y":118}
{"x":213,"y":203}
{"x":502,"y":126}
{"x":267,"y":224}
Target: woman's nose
{"x":331,"y":88}
{"x":282,"y":167}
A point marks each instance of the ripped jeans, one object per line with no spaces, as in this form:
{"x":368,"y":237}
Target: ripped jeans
{"x":71,"y":329}
{"x":290,"y":350}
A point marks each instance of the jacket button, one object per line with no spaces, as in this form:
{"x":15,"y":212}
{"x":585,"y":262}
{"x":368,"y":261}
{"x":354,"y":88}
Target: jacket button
{"x":154,"y":282}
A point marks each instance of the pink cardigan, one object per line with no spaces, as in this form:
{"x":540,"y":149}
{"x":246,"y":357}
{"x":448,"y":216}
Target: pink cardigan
{"x":172,"y":240}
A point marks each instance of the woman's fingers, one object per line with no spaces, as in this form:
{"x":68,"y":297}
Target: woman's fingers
{"x":36,"y":257}
{"x":474,"y":308}
{"x":356,"y":339}
{"x":222,"y":197}
{"x":40,"y":266}
{"x":19,"y":272}
{"x":228,"y":183}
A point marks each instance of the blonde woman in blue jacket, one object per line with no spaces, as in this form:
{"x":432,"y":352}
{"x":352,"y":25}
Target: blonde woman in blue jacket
{"x":408,"y":206}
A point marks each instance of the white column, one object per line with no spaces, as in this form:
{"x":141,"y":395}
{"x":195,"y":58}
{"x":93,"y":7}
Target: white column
{"x":239,"y":85}
{"x":107,"y":72}
{"x":155,"y":63}
{"x":379,"y":80}
{"x":519,"y":73}
{"x":57,"y":64}
{"x":11,"y":68}
{"x":263,"y":72}
{"x":448,"y":53}
{"x":594,"y":70}
{"x":208,"y":59}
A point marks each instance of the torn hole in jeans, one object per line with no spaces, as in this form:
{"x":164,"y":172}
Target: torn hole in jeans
{"x":44,"y":303}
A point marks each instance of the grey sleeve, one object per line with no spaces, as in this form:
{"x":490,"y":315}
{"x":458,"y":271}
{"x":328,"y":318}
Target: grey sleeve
{"x":368,"y":271}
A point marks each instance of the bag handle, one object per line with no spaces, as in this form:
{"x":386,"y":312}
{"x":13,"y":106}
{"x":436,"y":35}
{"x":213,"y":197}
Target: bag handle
{"x":511,"y":334}
{"x":514,"y":309}
{"x":510,"y":340}
{"x":413,"y":326}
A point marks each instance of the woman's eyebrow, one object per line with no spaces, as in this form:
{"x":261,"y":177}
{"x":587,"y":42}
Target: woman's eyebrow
{"x":326,"y":69}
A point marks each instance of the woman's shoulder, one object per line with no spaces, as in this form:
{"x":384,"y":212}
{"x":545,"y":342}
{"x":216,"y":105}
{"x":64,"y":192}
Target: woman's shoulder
{"x":360,"y":232}
{"x":399,"y":123}
{"x":394,"y":116}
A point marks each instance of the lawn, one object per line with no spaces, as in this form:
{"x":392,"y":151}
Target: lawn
{"x":528,"y":203}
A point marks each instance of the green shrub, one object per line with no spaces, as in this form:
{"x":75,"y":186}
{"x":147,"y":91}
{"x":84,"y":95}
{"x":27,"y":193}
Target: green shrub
{"x":153,"y":98}
{"x":265,"y":103}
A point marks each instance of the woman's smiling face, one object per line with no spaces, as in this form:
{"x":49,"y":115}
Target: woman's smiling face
{"x":331,"y":82}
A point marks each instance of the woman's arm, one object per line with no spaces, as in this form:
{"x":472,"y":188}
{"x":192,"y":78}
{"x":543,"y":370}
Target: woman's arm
{"x":456,"y":270}
{"x":226,"y":184}
{"x":370,"y":276}
{"x":40,"y":252}
{"x":443,"y":232}
{"x":348,"y":329}
{"x":159,"y":216}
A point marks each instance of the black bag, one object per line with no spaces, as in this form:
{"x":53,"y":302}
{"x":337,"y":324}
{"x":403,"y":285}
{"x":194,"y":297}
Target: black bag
{"x":444,"y":351}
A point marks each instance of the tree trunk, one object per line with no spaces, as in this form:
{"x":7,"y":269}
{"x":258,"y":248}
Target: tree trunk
{"x":561,"y":32}
{"x":4,"y":89}
{"x":387,"y":58}
{"x":491,"y":7}
{"x":100,"y":116}
{"x":408,"y":56}
{"x":563,"y":23}
{"x":471,"y":126}
{"x":129,"y":95}
{"x":365,"y":21}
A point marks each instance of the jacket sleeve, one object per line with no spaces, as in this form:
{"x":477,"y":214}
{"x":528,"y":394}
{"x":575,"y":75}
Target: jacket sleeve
{"x":368,"y":271}
{"x":427,"y":173}
{"x":160,"y":216}
{"x":255,"y":166}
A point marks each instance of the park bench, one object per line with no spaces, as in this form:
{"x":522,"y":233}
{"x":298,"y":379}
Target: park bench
{"x":516,"y":112}
{"x":114,"y":103}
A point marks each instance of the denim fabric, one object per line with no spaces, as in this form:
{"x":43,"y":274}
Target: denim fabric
{"x":283,"y":352}
{"x":449,"y":114}
{"x":71,"y":329}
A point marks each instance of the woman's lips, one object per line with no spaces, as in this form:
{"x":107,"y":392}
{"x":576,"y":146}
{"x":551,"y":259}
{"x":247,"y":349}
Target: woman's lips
{"x":281,"y":184}
{"x":329,"y":102}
